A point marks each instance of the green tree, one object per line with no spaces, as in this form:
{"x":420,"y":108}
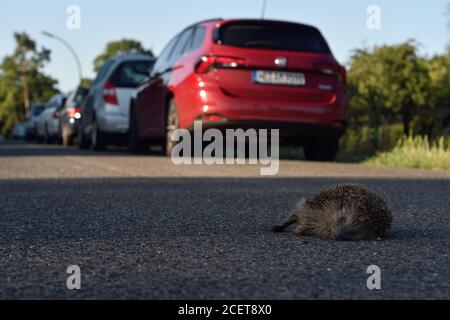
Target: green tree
{"x":22,"y":82}
{"x":86,"y":82}
{"x":439,"y":75}
{"x":25,"y":62}
{"x":431,"y":120}
{"x":124,"y":46}
{"x":387,"y":82}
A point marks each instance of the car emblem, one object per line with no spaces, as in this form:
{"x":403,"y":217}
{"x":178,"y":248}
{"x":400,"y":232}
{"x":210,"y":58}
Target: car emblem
{"x":281,"y":62}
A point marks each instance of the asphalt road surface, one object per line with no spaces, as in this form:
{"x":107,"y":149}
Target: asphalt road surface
{"x":141,"y":227}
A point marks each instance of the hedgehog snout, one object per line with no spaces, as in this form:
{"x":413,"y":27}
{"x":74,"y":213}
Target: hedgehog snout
{"x":345,"y":235}
{"x":341,"y":231}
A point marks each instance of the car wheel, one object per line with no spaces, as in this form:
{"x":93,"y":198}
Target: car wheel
{"x":29,"y":137}
{"x":172,"y":125}
{"x":99,"y":140}
{"x":83,"y":142}
{"x":47,"y":138}
{"x":321,"y":149}
{"x":135,"y":143}
{"x":38,"y":138}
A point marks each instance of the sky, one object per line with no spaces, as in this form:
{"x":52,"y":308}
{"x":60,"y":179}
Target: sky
{"x":343,"y":23}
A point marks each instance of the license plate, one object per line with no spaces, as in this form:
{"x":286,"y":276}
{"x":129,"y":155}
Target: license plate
{"x":279,"y":78}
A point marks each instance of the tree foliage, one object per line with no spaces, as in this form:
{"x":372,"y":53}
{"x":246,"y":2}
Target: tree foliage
{"x":22,"y":81}
{"x":86,"y":82}
{"x":392,"y":82}
{"x":124,"y":46}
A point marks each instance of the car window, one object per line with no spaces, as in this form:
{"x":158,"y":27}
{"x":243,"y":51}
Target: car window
{"x":56,"y":101}
{"x":129,"y":74}
{"x":80,"y":95}
{"x":198,"y":38}
{"x":61,"y":101}
{"x":163,"y":58}
{"x":37,"y":110}
{"x":70,"y":98}
{"x":51,"y":103}
{"x":104,"y":70}
{"x":273,"y":36}
{"x":182,"y":44}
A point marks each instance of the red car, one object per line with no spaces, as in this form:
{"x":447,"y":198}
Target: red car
{"x":245,"y":74}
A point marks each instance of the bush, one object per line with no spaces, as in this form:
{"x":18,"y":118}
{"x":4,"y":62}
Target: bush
{"x":416,"y":152}
{"x":361,"y":143}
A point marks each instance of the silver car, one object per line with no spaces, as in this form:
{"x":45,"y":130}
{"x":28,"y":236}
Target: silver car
{"x":105,"y":110}
{"x":19,"y":131}
{"x":47,"y":123}
{"x":33,"y":115}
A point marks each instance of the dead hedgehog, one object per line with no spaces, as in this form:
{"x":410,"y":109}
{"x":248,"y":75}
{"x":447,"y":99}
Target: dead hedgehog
{"x":344,"y":212}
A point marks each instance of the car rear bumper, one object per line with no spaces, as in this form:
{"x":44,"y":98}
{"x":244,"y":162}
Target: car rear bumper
{"x":289,"y":116}
{"x":287,"y":129}
{"x":111,"y":120}
{"x":53,"y":126}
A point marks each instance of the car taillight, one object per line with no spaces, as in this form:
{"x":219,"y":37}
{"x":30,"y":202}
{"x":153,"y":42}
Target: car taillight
{"x":208,"y":63}
{"x":339,"y":72}
{"x":74,"y":112}
{"x":109,"y":93}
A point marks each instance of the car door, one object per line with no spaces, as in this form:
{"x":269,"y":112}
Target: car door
{"x":127,"y":76}
{"x":50,"y":115}
{"x":151,"y":97}
{"x":87,"y":108}
{"x":55,"y":118}
{"x":63,"y":116}
{"x":184,"y":58}
{"x":43,"y":117}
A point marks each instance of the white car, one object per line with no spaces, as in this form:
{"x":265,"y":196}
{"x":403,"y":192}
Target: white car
{"x":19,"y":131}
{"x":47,"y":123}
{"x":105,"y":111}
{"x":32,"y":117}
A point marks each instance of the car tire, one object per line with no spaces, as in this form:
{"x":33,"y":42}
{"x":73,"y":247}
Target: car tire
{"x":30,"y":136}
{"x":321,"y":149}
{"x":136,"y":145}
{"x":172,"y":124}
{"x":39,"y":139}
{"x":83,"y":142}
{"x":47,"y":137}
{"x":99,"y":139}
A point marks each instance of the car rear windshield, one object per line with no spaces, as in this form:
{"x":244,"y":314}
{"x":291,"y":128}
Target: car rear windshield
{"x":131,"y":73}
{"x":37,"y":110}
{"x":80,"y":95}
{"x":272,"y":36}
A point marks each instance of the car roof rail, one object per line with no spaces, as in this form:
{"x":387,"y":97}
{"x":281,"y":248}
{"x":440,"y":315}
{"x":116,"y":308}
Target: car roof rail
{"x":206,"y":20}
{"x":210,"y":20}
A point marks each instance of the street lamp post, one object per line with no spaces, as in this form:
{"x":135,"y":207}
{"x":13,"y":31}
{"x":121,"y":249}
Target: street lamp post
{"x":65,"y":43}
{"x":263,"y":13}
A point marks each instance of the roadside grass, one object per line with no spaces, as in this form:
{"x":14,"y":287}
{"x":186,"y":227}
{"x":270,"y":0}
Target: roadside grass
{"x":356,"y":145}
{"x":291,"y":153}
{"x":415,"y":152}
{"x":394,"y":150}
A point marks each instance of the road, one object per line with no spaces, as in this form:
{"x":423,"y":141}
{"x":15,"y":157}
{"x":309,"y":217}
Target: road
{"x":141,"y":227}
